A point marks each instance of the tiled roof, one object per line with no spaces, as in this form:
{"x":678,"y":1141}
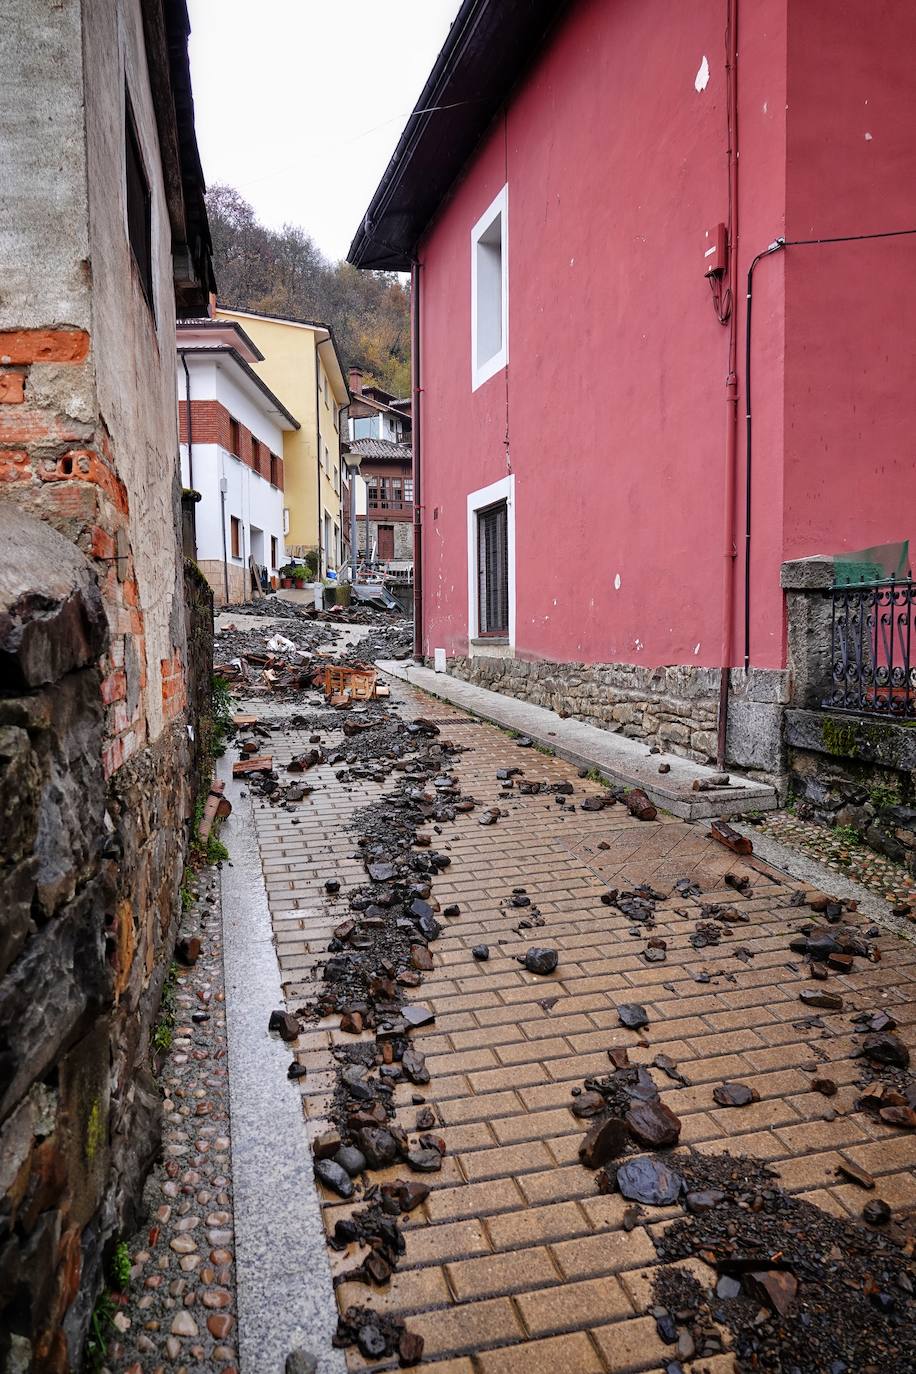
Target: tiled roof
{"x":382,"y":448}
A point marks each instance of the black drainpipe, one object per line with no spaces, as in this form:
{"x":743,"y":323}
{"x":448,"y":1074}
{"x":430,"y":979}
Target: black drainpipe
{"x":417,"y":492}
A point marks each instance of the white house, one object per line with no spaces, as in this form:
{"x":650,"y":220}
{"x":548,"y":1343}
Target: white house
{"x":231,"y":430}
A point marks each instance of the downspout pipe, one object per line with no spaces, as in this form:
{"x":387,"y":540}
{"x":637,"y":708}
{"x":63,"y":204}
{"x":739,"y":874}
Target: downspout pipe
{"x":417,"y":472}
{"x":731,"y":383}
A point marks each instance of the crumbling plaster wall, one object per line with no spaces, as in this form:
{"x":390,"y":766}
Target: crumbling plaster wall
{"x":134,"y":347}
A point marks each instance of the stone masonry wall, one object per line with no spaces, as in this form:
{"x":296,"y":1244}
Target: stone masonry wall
{"x":89,"y":873}
{"x":858,"y":772}
{"x":675,"y":708}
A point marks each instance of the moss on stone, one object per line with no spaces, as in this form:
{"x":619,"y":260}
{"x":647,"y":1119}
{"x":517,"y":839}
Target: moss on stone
{"x":95,"y":1130}
{"x":861,"y":739}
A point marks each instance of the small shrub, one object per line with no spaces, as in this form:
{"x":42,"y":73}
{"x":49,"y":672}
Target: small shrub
{"x":121,"y":1266}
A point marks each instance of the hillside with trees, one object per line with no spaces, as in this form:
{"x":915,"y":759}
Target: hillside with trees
{"x":282,"y":272}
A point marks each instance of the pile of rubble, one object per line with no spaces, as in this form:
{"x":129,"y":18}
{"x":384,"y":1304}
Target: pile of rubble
{"x":278,"y":608}
{"x":800,"y":1291}
{"x":289,"y":662}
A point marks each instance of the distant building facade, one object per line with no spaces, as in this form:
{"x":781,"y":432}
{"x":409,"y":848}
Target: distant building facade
{"x":301,"y":365}
{"x":232,"y":430}
{"x":384,"y":502}
{"x":376,"y":413}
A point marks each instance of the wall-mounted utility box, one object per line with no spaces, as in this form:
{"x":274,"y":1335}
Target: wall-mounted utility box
{"x":715,"y":252}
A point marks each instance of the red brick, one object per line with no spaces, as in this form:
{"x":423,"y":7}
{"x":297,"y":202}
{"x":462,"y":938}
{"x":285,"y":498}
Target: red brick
{"x":114,"y":687}
{"x":14,"y":466}
{"x":103,"y":545}
{"x":43,"y":345}
{"x":12,"y":388}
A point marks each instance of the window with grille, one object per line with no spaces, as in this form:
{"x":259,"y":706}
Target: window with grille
{"x":139,"y":206}
{"x":493,"y":571}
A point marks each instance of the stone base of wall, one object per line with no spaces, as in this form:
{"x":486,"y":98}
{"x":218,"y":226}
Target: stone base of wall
{"x":858,"y":772}
{"x":675,"y":708}
{"x":213,"y":572}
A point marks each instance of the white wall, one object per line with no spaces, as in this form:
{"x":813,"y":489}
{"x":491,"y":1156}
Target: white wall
{"x":249,"y":496}
{"x":237,"y":399}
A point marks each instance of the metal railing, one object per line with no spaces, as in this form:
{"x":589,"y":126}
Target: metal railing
{"x":873,"y":648}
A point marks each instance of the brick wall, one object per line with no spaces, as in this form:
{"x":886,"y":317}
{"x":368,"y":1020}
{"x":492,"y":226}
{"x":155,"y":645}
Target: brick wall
{"x":211,"y":423}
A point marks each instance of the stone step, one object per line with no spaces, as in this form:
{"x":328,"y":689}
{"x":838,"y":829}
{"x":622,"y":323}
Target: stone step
{"x":622,"y":761}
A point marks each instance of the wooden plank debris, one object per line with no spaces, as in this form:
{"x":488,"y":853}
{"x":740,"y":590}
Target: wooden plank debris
{"x":260,"y":764}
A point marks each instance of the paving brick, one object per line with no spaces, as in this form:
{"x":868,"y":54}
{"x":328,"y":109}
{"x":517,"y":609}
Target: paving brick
{"x":409,"y":1290}
{"x":427,"y":1244}
{"x":535,"y":1126}
{"x":482,"y":1107}
{"x":473,"y":1200}
{"x":492,"y":1275}
{"x":505,"y":1160}
{"x":604,"y":1254}
{"x":536,"y":1225}
{"x":573,"y":1354}
{"x":574,"y":1305}
{"x":631,"y":1345}
{"x":469,"y":1326}
{"x":525,"y":1248}
{"x":556,"y":1184}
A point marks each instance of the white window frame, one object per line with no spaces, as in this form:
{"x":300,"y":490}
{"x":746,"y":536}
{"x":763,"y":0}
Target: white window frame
{"x":504,"y":490}
{"x":482,"y":371}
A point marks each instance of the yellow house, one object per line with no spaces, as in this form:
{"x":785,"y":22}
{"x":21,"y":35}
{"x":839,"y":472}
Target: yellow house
{"x":302,"y":367}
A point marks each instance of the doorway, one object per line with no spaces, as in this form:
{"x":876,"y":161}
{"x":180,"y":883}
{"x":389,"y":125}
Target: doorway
{"x":385,"y":543}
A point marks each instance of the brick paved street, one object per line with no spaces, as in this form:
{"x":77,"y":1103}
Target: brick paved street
{"x":515,"y":1262}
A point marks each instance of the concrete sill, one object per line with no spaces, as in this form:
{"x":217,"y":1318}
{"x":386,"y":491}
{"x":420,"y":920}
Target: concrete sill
{"x":497,"y":647}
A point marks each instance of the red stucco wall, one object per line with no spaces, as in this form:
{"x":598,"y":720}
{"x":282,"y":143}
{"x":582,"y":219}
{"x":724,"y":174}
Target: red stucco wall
{"x":850,"y":472}
{"x":615,"y":389}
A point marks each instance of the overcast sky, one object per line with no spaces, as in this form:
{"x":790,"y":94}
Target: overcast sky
{"x":299,"y":103}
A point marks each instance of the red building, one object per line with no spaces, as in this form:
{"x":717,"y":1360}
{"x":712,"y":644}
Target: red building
{"x":585,"y":213}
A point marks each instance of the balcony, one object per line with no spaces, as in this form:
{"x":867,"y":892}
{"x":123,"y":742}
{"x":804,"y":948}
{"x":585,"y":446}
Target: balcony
{"x":385,"y":505}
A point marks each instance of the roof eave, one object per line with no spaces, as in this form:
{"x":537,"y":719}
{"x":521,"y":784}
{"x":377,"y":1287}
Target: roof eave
{"x":489,"y":47}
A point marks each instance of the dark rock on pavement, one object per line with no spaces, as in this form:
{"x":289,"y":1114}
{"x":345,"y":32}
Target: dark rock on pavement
{"x":285,"y":1024}
{"x":632,"y":1015}
{"x":735,"y":1095}
{"x":604,"y":1140}
{"x":649,"y":1181}
{"x":541,"y":961}
{"x":333,"y":1176}
{"x":653,"y":1124}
